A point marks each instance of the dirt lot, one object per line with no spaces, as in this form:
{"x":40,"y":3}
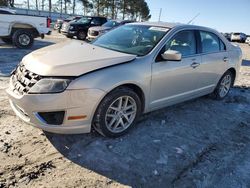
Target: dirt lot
{"x":200,"y":143}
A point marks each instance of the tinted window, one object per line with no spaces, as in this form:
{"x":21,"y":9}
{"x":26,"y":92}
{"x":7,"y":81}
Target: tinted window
{"x":184,"y":42}
{"x":96,"y":21}
{"x":210,"y":42}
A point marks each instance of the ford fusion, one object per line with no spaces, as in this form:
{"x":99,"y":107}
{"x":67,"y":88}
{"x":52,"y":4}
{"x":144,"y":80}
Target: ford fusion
{"x":109,"y":83}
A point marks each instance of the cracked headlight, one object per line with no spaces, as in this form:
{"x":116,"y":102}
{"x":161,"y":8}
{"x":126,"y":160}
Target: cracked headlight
{"x":50,"y":85}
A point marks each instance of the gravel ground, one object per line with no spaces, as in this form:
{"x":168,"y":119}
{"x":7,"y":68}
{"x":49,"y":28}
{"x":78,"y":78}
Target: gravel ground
{"x":199,"y":143}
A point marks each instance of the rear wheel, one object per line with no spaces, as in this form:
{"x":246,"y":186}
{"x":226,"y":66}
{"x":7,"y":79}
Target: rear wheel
{"x":7,"y":40}
{"x":81,"y":35}
{"x":117,"y":113}
{"x":22,"y":38}
{"x":223,"y":86}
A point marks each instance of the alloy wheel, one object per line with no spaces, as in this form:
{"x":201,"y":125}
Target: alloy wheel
{"x":225,"y":85}
{"x":121,"y":114}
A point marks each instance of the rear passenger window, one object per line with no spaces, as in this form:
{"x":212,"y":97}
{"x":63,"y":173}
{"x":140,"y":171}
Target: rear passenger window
{"x":183,"y":42}
{"x":209,"y":42}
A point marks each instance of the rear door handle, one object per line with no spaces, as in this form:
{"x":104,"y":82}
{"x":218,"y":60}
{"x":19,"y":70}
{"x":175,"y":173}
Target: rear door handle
{"x":225,"y":59}
{"x":195,"y":64}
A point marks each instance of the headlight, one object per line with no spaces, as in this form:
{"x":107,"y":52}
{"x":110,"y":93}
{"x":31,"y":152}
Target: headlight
{"x":71,"y":28}
{"x":50,"y":85}
{"x":103,"y":31}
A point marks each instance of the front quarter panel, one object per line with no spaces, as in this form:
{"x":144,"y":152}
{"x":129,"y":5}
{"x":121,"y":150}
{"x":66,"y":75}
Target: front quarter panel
{"x":137,"y":72}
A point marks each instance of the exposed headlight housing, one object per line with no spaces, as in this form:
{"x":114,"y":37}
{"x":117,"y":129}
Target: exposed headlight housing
{"x":50,"y":85}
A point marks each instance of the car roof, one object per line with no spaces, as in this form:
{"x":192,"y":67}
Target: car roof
{"x":158,"y":24}
{"x":170,"y":25}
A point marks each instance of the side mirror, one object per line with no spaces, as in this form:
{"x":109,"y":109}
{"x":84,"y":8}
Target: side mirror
{"x":171,"y":55}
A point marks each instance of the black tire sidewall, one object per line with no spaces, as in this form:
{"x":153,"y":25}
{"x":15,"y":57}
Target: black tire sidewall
{"x":99,"y":118}
{"x":216,"y":94}
{"x":16,"y":35}
{"x":78,"y":35}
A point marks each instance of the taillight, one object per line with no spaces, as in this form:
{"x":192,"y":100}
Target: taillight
{"x":48,"y":22}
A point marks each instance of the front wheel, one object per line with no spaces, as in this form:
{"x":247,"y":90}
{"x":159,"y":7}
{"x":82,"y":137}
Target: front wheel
{"x":117,"y":113}
{"x":81,"y":35}
{"x":22,"y":38}
{"x":223,"y":86}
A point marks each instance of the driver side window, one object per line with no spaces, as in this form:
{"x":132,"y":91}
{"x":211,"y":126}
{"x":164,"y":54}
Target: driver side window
{"x":183,"y":42}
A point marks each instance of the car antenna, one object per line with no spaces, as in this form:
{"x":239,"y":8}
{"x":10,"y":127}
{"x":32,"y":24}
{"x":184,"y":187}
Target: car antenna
{"x":193,"y":18}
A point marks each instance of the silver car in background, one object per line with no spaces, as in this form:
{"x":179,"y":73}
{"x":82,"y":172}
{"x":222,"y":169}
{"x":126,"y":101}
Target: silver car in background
{"x":96,"y":31}
{"x":248,"y":40}
{"x":133,"y":69}
{"x":238,"y":37}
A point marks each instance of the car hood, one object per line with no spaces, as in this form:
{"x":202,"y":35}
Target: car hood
{"x":99,"y":28}
{"x":72,"y":58}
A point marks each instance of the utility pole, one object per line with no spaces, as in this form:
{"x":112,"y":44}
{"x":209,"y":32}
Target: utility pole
{"x":160,"y":15}
{"x":42,"y":5}
{"x":36,"y":4}
{"x":28,"y":4}
{"x":61,"y":7}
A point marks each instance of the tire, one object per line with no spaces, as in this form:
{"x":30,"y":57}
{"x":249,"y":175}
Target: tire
{"x":223,"y":85}
{"x":81,"y":35}
{"x":22,"y":39}
{"x":107,"y":120}
{"x":70,"y":37}
{"x":7,"y":40}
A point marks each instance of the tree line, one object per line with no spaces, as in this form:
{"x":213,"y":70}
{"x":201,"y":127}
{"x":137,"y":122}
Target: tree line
{"x":123,"y":9}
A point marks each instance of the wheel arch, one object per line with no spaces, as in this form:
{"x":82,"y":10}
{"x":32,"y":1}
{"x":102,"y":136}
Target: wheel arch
{"x":18,"y":25}
{"x":233,"y":71}
{"x":137,"y":89}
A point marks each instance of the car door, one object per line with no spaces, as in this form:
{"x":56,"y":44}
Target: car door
{"x":214,"y":60}
{"x":4,"y":22}
{"x":175,"y":81}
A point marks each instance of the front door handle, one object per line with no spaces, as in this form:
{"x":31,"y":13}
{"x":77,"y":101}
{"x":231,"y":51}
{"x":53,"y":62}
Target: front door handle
{"x":194,"y":65}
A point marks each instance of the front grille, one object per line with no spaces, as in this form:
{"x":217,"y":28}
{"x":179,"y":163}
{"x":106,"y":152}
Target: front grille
{"x":93,"y":33}
{"x":22,"y":80}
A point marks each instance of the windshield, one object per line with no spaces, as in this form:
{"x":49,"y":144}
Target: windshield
{"x":111,"y":23}
{"x":85,"y":20}
{"x":132,"y":39}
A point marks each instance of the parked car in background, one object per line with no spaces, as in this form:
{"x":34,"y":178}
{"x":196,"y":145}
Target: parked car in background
{"x":248,"y":40}
{"x":96,"y":31}
{"x":130,"y":70}
{"x":80,"y":28}
{"x":227,"y":36}
{"x":66,"y":23}
{"x":20,"y":30}
{"x":238,"y":37}
{"x":59,"y":22}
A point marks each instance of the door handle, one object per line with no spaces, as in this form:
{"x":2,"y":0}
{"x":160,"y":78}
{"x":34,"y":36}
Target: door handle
{"x":225,"y":59}
{"x":195,"y":64}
